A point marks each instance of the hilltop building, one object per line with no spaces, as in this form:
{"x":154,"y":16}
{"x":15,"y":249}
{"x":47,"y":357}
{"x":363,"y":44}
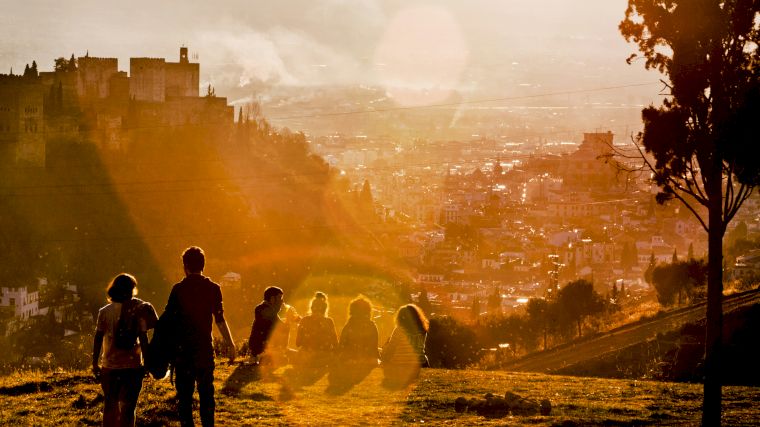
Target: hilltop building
{"x":89,"y":98}
{"x":585,"y":168}
{"x":21,"y":120}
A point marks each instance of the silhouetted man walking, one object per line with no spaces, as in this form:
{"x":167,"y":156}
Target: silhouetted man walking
{"x":193,"y":302}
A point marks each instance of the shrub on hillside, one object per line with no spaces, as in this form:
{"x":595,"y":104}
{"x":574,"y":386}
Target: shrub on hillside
{"x":451,"y":344}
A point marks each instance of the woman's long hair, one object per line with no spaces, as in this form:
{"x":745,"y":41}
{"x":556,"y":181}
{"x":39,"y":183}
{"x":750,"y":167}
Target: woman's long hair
{"x":412,"y":319}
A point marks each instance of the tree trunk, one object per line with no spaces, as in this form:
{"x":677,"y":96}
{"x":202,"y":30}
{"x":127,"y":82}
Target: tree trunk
{"x":579,"y":328}
{"x":711,"y":408}
{"x":545,"y":333}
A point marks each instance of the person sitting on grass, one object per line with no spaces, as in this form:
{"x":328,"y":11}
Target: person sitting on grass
{"x":358,"y":353}
{"x":120,"y":325}
{"x":316,"y":338}
{"x":268,"y":342}
{"x":359,"y":337}
{"x":404,"y":353}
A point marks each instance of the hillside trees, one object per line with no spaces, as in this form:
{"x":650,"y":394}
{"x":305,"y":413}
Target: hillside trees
{"x":253,"y":197}
{"x":629,"y":256}
{"x":578,"y":300}
{"x":513,"y":329}
{"x":679,"y":280}
{"x":475,"y":308}
{"x":541,"y":317}
{"x":493,"y":303}
{"x":666,"y":281}
{"x":451,"y":344}
{"x":650,"y":269}
{"x":703,"y":137}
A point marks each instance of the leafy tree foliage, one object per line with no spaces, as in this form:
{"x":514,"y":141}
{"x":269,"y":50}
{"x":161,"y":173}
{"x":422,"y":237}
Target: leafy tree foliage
{"x":650,"y":268}
{"x":451,"y":344}
{"x":667,"y":282}
{"x":542,"y":317}
{"x":37,"y":339}
{"x":513,"y":329}
{"x":578,"y":300}
{"x":704,"y":136}
{"x":494,"y":302}
{"x":475,"y":308}
{"x":629,"y":257}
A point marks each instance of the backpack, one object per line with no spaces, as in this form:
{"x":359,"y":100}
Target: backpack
{"x":125,"y":335}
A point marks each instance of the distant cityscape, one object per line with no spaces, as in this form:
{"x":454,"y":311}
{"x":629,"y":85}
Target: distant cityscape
{"x":481,"y":217}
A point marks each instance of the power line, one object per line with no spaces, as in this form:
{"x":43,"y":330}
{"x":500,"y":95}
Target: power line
{"x":272,"y":178}
{"x":255,"y":232}
{"x":373,"y":111}
{"x":458,"y":103}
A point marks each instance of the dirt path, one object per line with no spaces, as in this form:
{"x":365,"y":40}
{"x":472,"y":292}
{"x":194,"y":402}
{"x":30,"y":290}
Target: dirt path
{"x":573,"y":353}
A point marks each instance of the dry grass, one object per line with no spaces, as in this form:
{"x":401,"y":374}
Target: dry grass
{"x":632,"y":313}
{"x":73,"y":399}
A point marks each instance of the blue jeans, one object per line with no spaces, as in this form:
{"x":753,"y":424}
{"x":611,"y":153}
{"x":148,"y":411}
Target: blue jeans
{"x":121,"y":388}
{"x":186,"y":378}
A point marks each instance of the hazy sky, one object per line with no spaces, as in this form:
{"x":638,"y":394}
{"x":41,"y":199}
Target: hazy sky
{"x":475,"y":45}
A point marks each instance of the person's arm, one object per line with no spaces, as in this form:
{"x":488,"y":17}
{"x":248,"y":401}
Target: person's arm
{"x":300,"y":335}
{"x":333,"y":335}
{"x":375,"y":341}
{"x":390,"y":347}
{"x":97,"y":346}
{"x":221,"y":324}
{"x":224,"y":329}
{"x":143,"y":338}
{"x":147,"y":321}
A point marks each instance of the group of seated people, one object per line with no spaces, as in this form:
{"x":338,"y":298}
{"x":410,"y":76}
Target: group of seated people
{"x":318,"y":344}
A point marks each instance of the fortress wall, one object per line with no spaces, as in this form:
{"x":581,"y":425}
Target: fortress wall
{"x":94,"y":75}
{"x":182,"y":79}
{"x":147,"y":81}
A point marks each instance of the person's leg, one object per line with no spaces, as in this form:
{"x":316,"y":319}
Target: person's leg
{"x":132,"y":384}
{"x":184,"y":381}
{"x":205,"y":379}
{"x":110,"y":384}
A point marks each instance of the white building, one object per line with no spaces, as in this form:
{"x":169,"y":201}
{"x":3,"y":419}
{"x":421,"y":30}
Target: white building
{"x":22,"y":302}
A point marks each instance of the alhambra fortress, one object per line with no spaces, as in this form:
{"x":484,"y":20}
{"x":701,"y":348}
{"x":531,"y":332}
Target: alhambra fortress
{"x":88,"y":98}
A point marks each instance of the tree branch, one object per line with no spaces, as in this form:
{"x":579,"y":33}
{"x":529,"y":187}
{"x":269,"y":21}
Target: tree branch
{"x":687,"y":190}
{"x":694,"y":177}
{"x":745,"y":191}
{"x":693,"y":211}
{"x":728,"y":199}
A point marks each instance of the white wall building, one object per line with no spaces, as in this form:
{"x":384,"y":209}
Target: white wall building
{"x":21,"y":301}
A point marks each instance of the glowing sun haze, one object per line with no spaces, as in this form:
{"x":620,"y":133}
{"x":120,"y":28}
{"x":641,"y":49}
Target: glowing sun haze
{"x":421,"y":55}
{"x":418,"y":50}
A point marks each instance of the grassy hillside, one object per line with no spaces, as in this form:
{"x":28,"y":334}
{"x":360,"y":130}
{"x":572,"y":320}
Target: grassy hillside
{"x":72,"y":398}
